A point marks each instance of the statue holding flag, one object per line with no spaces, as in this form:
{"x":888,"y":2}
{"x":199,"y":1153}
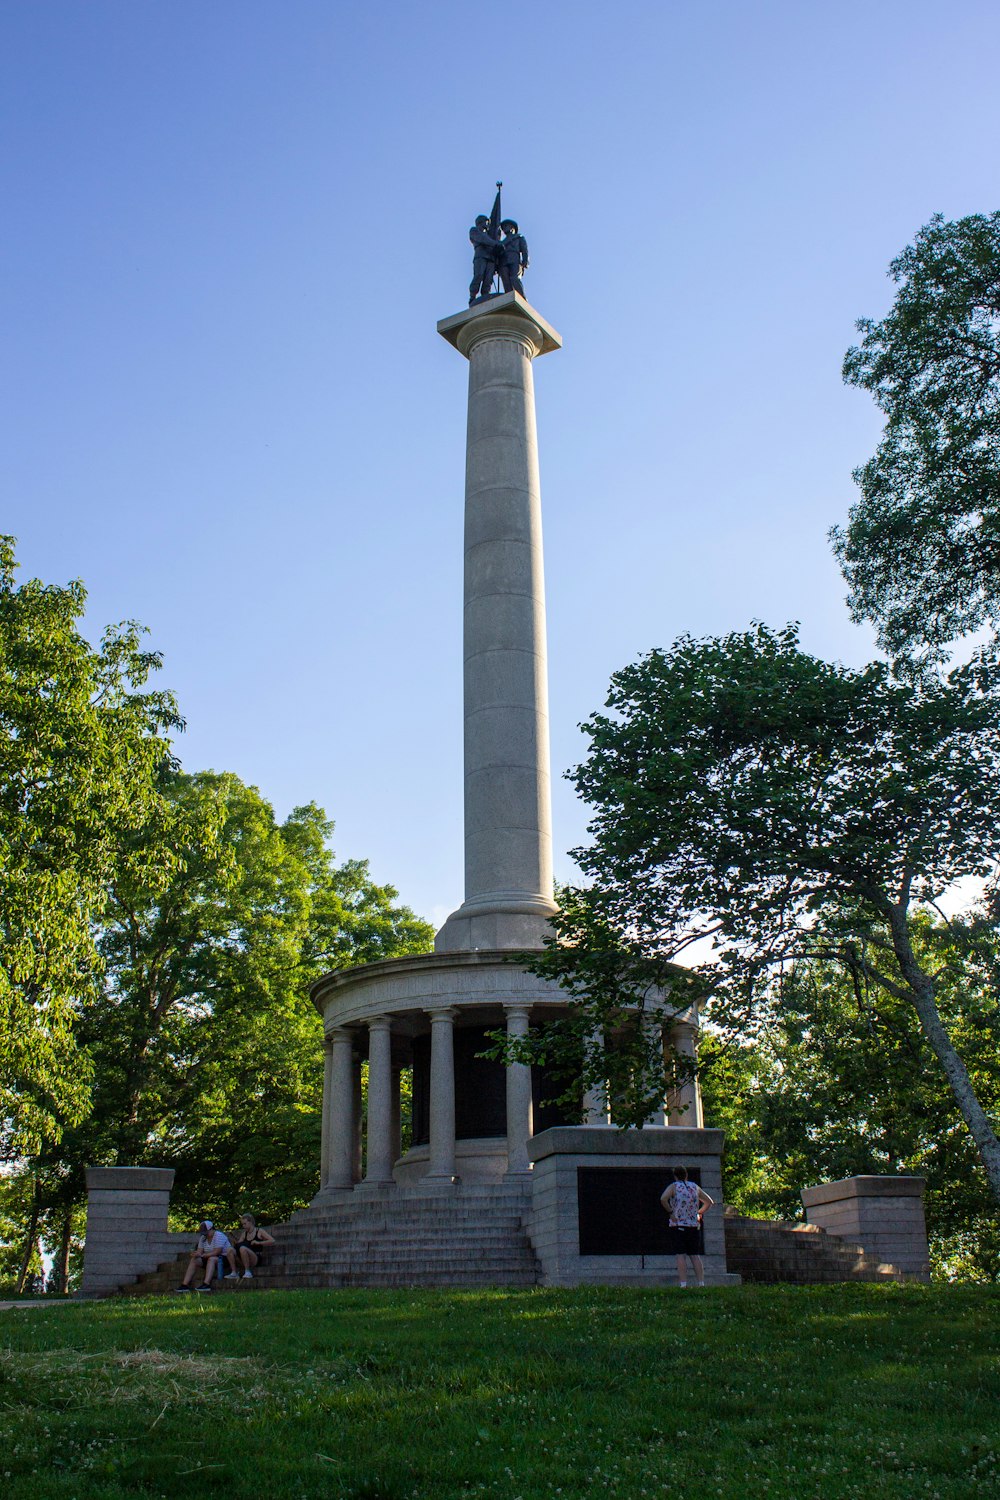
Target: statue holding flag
{"x":493,"y":256}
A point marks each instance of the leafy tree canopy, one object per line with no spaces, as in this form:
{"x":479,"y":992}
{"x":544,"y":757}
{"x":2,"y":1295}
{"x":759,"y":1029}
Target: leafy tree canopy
{"x":207,"y":1052}
{"x":921,"y":551}
{"x":81,"y":746}
{"x":749,"y":796}
{"x":836,"y":1078}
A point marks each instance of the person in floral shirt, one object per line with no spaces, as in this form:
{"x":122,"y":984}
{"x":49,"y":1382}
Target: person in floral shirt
{"x":686,"y":1204}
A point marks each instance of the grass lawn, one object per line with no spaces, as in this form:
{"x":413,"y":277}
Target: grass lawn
{"x":801,"y":1392}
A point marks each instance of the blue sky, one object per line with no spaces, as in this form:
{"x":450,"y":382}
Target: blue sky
{"x":230,"y":230}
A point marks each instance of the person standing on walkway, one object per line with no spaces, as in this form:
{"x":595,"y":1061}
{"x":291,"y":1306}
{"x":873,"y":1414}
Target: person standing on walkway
{"x":686,"y":1204}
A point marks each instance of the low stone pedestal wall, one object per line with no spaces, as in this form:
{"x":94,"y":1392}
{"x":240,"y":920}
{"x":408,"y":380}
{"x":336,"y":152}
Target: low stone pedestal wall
{"x":885,"y":1215}
{"x":126,"y":1226}
{"x":596,"y":1216}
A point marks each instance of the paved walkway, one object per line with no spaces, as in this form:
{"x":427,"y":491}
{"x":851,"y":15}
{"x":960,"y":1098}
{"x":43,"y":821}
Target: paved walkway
{"x":37,"y":1302}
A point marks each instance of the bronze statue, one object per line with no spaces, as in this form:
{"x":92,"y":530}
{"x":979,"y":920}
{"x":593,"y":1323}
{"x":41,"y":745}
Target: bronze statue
{"x":513,"y":256}
{"x":493,"y":256}
{"x":485,"y":255}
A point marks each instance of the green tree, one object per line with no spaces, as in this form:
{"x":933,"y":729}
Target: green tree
{"x":779,"y":807}
{"x":207,"y":1052}
{"x":921,"y":551}
{"x":81,"y":745}
{"x":836,"y":1078}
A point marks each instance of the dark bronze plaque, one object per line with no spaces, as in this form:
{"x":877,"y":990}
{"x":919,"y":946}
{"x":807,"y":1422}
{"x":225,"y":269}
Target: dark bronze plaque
{"x":620,"y":1211}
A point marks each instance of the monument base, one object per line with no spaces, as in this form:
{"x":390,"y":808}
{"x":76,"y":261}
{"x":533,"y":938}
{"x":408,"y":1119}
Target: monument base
{"x":596,"y":1217}
{"x":519,"y":924}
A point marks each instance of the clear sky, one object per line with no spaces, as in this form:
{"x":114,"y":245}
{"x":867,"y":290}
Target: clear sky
{"x":230,"y":230}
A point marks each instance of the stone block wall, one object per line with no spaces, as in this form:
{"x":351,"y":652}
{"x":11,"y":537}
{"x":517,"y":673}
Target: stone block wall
{"x":126,"y":1226}
{"x":554,"y":1223}
{"x":883,"y":1214}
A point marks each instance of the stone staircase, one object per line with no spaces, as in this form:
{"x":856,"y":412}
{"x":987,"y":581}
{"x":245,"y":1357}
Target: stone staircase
{"x":761,"y":1250}
{"x":470,"y":1236}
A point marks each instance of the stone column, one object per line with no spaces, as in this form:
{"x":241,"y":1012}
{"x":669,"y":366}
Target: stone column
{"x":395,"y":1128}
{"x":519,"y":1125}
{"x":508,"y":837}
{"x":379,"y":1164}
{"x":442,"y":1112}
{"x":653,"y":1027}
{"x":684,"y":1103}
{"x":338,"y":1112}
{"x":356,"y":1119}
{"x":324,"y":1152}
{"x":595,"y":1100}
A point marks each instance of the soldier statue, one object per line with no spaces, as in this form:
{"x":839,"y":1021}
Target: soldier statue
{"x":513,"y":257}
{"x":485,"y":258}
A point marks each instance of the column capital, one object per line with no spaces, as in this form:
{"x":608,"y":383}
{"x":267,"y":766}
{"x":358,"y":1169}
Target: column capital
{"x":516,"y":1010}
{"x":443,"y":1013}
{"x":506,"y":316}
{"x":379,"y":1023}
{"x":338,"y":1036}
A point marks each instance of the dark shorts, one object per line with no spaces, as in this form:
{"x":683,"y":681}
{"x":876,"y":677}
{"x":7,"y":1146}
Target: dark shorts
{"x":688,"y":1240}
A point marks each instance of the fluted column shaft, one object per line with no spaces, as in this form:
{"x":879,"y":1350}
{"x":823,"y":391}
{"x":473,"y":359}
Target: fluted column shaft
{"x":324,"y":1150}
{"x":595,"y":1100}
{"x":396,"y":1128}
{"x":339,"y":1110}
{"x":653,"y":1028}
{"x":508,"y":833}
{"x":379,"y":1162}
{"x":442,"y":1111}
{"x":684,"y":1104}
{"x":519,"y":1123}
{"x":356,"y":1119}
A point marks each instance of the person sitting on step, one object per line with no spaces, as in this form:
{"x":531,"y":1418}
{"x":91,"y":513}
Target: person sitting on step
{"x":251,"y":1242}
{"x":212,"y":1246}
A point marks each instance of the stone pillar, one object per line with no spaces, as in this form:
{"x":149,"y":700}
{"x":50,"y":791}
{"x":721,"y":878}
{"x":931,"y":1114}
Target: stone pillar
{"x":652,"y":1025}
{"x":508,"y":837}
{"x":126,"y":1226}
{"x":684,"y":1103}
{"x":519,"y":1124}
{"x":396,"y":1124}
{"x":338,"y":1113}
{"x":324,"y":1152}
{"x":883,"y":1214}
{"x":379,"y":1164}
{"x":442,"y":1111}
{"x":356,"y":1119}
{"x":595,"y":1100}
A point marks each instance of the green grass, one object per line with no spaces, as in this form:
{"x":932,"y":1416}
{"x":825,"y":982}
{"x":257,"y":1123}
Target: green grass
{"x":860,"y":1391}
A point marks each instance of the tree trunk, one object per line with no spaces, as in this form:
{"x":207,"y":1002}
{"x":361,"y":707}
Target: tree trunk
{"x":29,"y":1246}
{"x":62,"y":1264}
{"x":922,"y":989}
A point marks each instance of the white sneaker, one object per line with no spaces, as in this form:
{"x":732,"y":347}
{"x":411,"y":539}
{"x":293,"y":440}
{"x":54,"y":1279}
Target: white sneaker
{"x":248,"y":1276}
{"x":232,"y":1275}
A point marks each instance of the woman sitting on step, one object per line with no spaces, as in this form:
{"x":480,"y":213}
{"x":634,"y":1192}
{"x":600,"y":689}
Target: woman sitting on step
{"x":251,"y":1242}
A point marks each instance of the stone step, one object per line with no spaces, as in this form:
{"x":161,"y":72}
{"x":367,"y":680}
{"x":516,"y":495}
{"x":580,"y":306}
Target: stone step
{"x":783,"y":1251}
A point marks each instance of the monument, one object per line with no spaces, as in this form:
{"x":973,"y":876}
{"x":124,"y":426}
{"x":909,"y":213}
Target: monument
{"x":477,"y":1125}
{"x":497,"y":1186}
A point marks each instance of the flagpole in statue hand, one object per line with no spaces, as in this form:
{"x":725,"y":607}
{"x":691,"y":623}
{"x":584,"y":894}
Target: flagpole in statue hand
{"x":495,"y":232}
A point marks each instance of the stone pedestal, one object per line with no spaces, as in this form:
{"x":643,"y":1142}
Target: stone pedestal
{"x":557,"y":1230}
{"x":508,"y":836}
{"x":126,"y":1226}
{"x":885,"y":1215}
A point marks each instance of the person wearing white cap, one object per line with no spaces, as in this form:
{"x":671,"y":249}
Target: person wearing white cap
{"x":212,"y":1245}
